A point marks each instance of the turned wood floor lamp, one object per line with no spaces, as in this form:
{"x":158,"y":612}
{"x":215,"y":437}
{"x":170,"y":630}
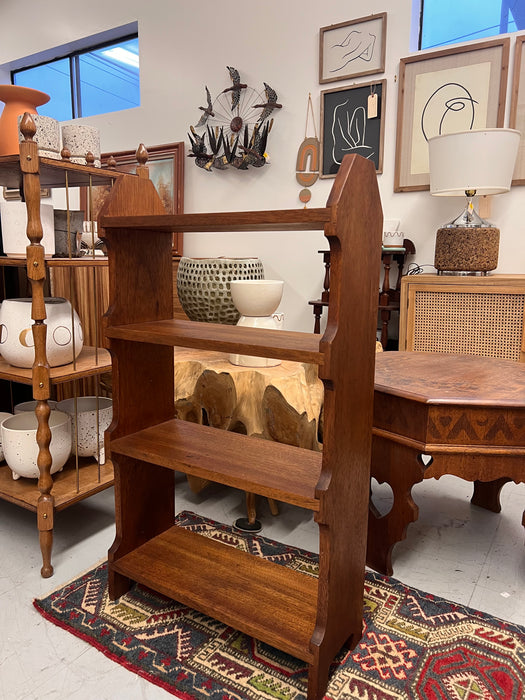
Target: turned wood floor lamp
{"x":467,"y":163}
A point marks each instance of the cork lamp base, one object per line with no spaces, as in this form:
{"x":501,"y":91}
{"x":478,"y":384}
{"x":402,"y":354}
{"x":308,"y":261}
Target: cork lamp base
{"x":466,"y":249}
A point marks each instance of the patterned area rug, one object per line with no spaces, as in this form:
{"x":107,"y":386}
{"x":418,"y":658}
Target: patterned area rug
{"x":414,"y":645}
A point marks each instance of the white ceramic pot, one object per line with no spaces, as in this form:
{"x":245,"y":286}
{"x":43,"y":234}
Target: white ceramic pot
{"x":203,"y":286}
{"x":3,"y":416}
{"x":31,"y":406}
{"x":83,"y":414}
{"x":16,"y":334}
{"x":14,"y":226}
{"x":257,"y":300}
{"x":21,"y":448}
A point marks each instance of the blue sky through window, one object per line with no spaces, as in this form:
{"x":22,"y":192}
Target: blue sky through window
{"x":456,"y":21}
{"x":100,"y":80}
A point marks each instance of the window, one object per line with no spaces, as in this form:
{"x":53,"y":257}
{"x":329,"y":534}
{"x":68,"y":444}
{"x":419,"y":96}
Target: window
{"x":99,"y":79}
{"x":452,"y":22}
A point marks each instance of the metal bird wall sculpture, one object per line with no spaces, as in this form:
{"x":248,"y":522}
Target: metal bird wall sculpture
{"x":207,"y":111}
{"x":237,"y":126}
{"x":270,"y":104}
{"x":236,"y":88}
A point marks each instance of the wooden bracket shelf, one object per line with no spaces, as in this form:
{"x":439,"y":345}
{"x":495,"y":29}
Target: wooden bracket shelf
{"x":68,"y":486}
{"x":251,"y":587}
{"x":91,"y":361}
{"x":285,"y":345}
{"x":219,"y":455}
{"x":54,"y":173}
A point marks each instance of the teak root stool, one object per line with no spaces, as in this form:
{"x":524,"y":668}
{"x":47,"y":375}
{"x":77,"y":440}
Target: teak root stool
{"x":281,"y":403}
{"x":467,"y":413}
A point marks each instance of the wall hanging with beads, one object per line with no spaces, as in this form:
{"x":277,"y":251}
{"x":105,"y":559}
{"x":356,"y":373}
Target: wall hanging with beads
{"x":236,"y":126}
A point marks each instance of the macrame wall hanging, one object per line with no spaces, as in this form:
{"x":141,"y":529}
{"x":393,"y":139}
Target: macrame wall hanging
{"x":237,"y":124}
{"x":307,"y":166}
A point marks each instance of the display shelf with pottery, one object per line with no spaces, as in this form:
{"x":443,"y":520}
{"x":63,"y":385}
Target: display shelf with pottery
{"x":257,"y":301}
{"x":203,"y":286}
{"x":64,"y":338}
{"x":18,"y":100}
{"x":21,"y":448}
{"x":86,"y":412}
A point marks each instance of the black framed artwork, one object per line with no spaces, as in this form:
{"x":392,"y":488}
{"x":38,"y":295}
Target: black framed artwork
{"x":352,"y":121}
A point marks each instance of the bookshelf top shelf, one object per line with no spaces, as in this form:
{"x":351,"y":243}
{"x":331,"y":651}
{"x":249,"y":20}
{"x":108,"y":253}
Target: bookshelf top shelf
{"x":266,"y":220}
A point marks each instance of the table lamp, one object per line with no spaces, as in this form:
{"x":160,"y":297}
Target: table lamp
{"x":464,"y":164}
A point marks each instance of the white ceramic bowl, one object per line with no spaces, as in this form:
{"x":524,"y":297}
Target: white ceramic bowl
{"x":256,"y":297}
{"x":3,"y":416}
{"x":84,"y":420}
{"x":21,"y":448}
{"x":31,"y":406}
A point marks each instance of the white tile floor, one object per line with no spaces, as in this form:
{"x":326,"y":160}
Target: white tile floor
{"x":454,"y":550}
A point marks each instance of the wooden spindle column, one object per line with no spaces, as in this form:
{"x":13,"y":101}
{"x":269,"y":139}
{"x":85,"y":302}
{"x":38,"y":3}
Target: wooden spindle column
{"x":36,"y":273}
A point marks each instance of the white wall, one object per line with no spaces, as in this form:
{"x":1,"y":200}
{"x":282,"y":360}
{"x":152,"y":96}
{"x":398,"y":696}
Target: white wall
{"x":184,"y":46}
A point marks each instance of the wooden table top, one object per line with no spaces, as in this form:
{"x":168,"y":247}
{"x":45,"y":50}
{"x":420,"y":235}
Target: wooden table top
{"x":440,"y":378}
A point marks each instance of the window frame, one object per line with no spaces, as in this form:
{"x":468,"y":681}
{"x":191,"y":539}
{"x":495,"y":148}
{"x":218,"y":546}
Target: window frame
{"x":74,"y":67}
{"x":505,"y":6}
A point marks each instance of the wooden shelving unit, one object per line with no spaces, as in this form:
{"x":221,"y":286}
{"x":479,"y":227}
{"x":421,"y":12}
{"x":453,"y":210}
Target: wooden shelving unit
{"x":309,"y":618}
{"x":80,"y":478}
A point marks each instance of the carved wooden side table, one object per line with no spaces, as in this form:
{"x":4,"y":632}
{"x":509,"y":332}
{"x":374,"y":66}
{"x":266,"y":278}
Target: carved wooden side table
{"x":466,"y":412}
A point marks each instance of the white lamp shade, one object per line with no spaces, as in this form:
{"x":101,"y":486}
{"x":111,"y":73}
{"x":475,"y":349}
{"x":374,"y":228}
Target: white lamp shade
{"x":481,"y":160}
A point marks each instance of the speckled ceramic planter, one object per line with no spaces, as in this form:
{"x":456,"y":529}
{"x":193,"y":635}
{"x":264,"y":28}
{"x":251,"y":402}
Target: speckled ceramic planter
{"x":20,"y":446}
{"x":31,"y":406}
{"x":47,"y":136}
{"x":83,"y":414}
{"x":80,"y":139}
{"x":3,"y":416}
{"x":203,"y":286}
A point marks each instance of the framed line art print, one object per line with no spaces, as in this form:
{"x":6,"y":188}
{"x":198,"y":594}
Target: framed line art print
{"x":166,"y":171}
{"x":352,"y":121}
{"x":517,"y":108}
{"x":451,"y":90}
{"x":352,"y":49}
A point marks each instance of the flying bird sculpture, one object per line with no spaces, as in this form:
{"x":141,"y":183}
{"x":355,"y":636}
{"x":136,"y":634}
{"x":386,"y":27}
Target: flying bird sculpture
{"x":207,"y":111}
{"x":236,"y":88}
{"x":270,"y":104}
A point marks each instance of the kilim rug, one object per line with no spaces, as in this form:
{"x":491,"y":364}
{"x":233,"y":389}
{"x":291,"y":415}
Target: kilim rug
{"x":414,"y":644}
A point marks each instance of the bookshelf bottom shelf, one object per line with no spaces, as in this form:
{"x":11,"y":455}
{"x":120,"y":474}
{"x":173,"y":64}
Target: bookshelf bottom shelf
{"x":229,"y":581}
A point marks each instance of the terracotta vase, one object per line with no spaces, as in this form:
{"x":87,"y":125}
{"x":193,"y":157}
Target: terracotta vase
{"x":17,"y":100}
